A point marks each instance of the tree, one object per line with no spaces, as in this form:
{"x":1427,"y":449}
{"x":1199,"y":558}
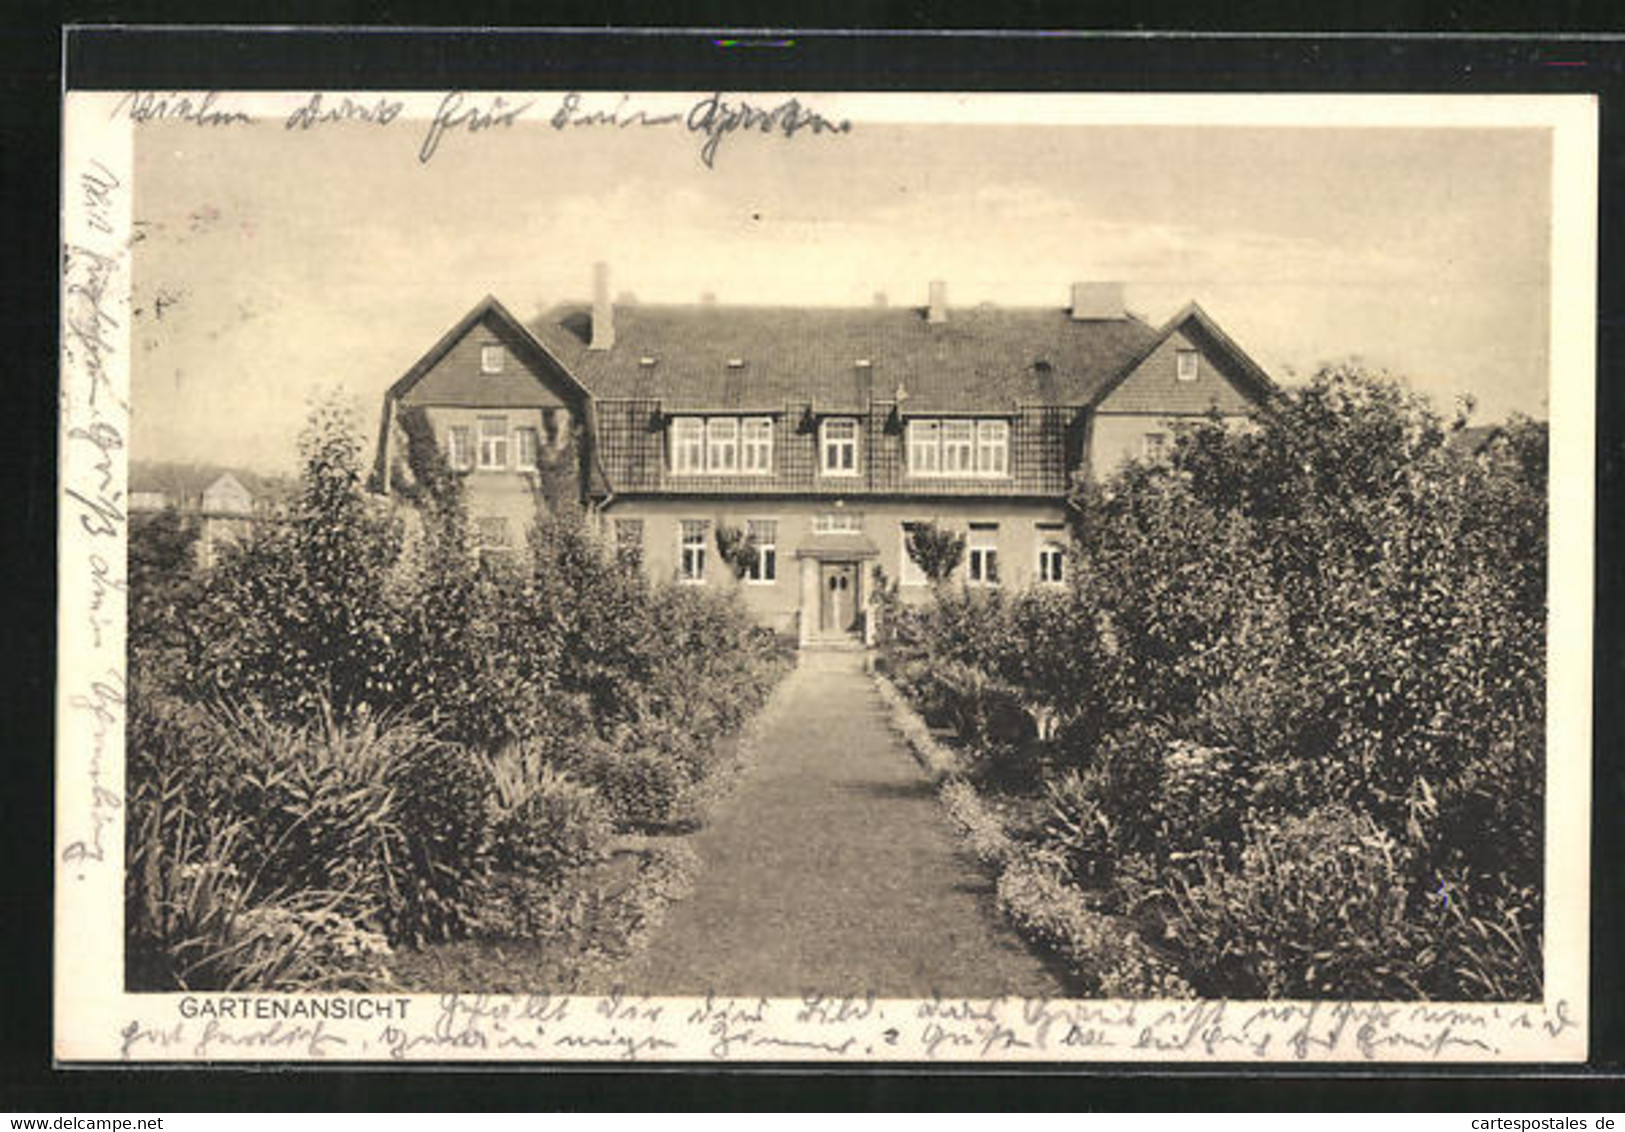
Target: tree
{"x":299,"y":615}
{"x":936,"y":550}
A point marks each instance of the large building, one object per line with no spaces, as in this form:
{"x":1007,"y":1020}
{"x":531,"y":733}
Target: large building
{"x":822,"y":432}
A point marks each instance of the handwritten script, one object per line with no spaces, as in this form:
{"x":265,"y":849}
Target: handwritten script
{"x":461,"y":114}
{"x":821,"y":1028}
{"x":95,"y":420}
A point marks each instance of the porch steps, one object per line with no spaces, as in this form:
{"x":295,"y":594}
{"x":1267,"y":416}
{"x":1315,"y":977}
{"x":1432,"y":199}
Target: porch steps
{"x":848,"y":644}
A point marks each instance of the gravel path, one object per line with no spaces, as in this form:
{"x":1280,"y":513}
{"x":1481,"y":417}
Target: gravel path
{"x":832,"y":868}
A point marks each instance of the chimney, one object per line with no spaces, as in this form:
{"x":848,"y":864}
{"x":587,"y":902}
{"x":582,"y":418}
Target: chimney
{"x":938,"y":311}
{"x":1097,"y":301}
{"x":881,"y":300}
{"x":603,"y":311}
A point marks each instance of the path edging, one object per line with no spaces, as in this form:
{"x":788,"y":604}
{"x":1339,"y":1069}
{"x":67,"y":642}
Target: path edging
{"x":1103,"y":954}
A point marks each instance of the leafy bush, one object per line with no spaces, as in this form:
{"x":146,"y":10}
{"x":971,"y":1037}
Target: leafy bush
{"x":643,"y":788}
{"x":543,"y":821}
{"x":737,"y":548}
{"x":299,"y":615}
{"x":1315,"y":907}
{"x":937,"y":551}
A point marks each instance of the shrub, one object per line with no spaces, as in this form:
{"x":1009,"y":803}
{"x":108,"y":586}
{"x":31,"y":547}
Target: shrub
{"x":299,"y":615}
{"x":544,"y":822}
{"x":737,"y":548}
{"x":936,"y":550}
{"x":375,"y":823}
{"x":643,"y":788}
{"x":210,"y":903}
{"x":1110,"y":958}
{"x":1316,"y":907}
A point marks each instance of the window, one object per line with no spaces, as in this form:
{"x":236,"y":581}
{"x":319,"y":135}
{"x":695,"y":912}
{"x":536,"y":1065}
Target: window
{"x":493,"y":443}
{"x":629,"y":541}
{"x":1051,"y":553}
{"x":722,"y":445}
{"x":493,"y":532}
{"x":908,"y":570}
{"x":924,"y":446}
{"x":1185,"y":360}
{"x":525,"y":448}
{"x":982,"y":563}
{"x":841,"y":447}
{"x":992,"y":447}
{"x":691,"y":558}
{"x":756,"y":448}
{"x":838,"y":523}
{"x":459,"y":448}
{"x":1154,"y":445}
{"x":959,"y":448}
{"x":492,"y":357}
{"x":765,"y":533}
{"x":688,"y":445}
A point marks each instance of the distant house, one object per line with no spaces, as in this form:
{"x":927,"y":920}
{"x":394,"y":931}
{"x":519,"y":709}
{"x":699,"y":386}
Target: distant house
{"x":228,"y":515}
{"x":223,"y":506}
{"x":825,"y":433}
{"x":227,"y":497}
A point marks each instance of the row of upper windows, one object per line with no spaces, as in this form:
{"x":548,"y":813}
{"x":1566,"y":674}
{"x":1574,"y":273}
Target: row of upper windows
{"x":980,"y":567}
{"x":949,"y":448}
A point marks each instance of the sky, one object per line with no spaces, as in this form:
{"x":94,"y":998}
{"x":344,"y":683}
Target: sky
{"x":278,"y":265}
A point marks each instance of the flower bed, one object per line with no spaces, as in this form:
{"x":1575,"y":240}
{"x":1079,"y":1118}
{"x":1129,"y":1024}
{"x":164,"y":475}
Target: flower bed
{"x":1285,"y":725}
{"x":345,"y":741}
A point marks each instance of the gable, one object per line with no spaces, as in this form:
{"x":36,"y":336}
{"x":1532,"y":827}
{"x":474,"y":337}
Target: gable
{"x":455,"y":378}
{"x":1153,"y":385}
{"x":227,"y":494}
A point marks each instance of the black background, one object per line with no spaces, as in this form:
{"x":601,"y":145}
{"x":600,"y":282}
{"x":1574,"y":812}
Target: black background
{"x":332,"y":59}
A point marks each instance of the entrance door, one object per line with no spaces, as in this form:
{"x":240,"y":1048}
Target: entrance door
{"x":838,"y":597}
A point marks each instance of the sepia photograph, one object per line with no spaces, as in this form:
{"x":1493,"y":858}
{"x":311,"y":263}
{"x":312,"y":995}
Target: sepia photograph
{"x":829,"y":577}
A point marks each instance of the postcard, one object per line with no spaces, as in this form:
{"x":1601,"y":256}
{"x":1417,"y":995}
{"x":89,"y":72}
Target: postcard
{"x":760,"y":576}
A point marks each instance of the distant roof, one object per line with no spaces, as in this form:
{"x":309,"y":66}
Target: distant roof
{"x":188,"y":480}
{"x":982,"y":358}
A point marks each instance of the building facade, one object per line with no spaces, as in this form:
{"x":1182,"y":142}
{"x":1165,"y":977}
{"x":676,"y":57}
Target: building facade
{"x":823,"y":433}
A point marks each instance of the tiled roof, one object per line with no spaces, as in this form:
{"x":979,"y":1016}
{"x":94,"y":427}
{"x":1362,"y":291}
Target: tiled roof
{"x":982,"y":358}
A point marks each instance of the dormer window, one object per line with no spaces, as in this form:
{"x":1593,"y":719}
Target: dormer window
{"x":646,"y":362}
{"x":736,"y":363}
{"x":492,"y":358}
{"x":840,"y":447}
{"x":722,"y":446}
{"x":960,"y":448}
{"x":1186,"y":363}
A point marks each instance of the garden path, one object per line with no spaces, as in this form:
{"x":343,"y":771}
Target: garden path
{"x":832,"y":868}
